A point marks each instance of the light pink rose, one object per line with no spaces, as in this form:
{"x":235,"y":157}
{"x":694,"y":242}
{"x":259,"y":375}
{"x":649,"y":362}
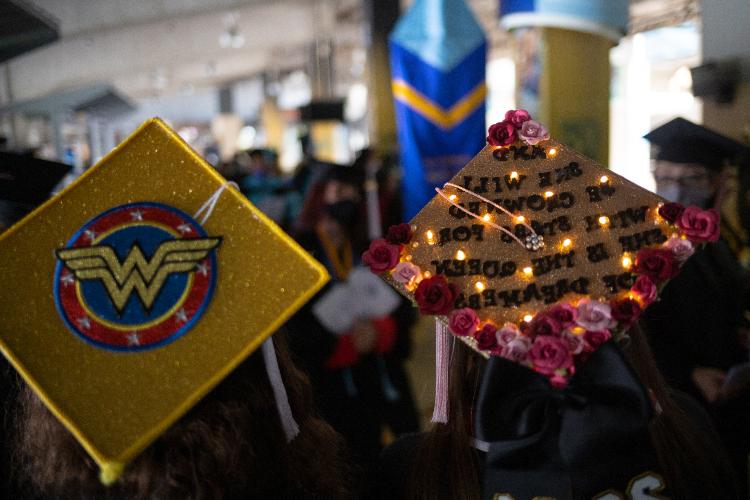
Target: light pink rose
{"x":575,"y":342}
{"x":533,"y":132}
{"x":699,"y":224}
{"x":517,"y":349}
{"x":550,"y":354}
{"x":594,"y":315}
{"x":507,"y":334}
{"x":463,"y":322}
{"x":681,"y":249}
{"x":406,"y":273}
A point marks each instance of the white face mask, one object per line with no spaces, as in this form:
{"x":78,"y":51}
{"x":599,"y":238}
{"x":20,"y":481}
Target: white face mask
{"x":669,"y":192}
{"x":684,"y":195}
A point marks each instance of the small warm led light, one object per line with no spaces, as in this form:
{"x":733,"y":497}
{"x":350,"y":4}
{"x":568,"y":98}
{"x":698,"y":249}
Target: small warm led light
{"x":627,"y":262}
{"x":430,"y":236}
{"x":603,"y":220}
{"x":528,"y":318}
{"x":552,"y":152}
{"x":567,"y":242}
{"x":520,"y":219}
{"x":486,"y":218}
{"x":514,"y":175}
{"x":479,"y":286}
{"x":460,"y":255}
{"x":407,"y":258}
{"x":415,"y":244}
{"x":604,"y":179}
{"x":427,"y":274}
{"x":528,"y":271}
{"x":453,"y":197}
{"x":549,"y":194}
{"x":578,"y":330}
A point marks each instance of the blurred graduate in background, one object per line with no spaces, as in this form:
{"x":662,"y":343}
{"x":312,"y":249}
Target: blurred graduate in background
{"x":696,"y":329}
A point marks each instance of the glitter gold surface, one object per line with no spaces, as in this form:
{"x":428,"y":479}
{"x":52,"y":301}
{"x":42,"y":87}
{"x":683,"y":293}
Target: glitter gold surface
{"x":117,"y":403}
{"x":426,"y":248}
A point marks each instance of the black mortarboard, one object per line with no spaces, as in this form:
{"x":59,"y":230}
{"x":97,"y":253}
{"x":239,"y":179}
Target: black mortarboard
{"x":682,"y":141}
{"x":345,"y":173}
{"x":25,"y":182}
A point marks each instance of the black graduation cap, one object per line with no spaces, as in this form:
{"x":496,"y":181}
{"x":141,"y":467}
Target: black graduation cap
{"x":682,"y":141}
{"x":25,"y":182}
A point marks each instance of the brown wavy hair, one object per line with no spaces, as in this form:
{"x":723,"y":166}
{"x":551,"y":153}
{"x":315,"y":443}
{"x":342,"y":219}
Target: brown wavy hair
{"x":694,"y":464}
{"x":229,"y":445}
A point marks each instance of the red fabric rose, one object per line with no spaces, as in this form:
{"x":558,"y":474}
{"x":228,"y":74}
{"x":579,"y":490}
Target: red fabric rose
{"x":463,"y":322}
{"x":699,"y":224}
{"x":381,"y":256}
{"x":656,"y":263}
{"x":517,"y":117}
{"x":595,"y":339}
{"x":565,"y":314}
{"x":399,"y":234}
{"x":543,"y":324}
{"x":501,"y":134}
{"x":486,"y":337}
{"x":549,"y":354}
{"x":435,"y":296}
{"x":671,"y":211}
{"x":625,"y":311}
{"x":645,"y":289}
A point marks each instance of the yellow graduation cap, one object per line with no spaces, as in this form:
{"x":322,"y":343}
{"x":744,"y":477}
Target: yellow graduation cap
{"x":122,"y":307}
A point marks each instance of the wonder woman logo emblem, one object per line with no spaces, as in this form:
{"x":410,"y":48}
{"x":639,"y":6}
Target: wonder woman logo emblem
{"x":136,"y":277}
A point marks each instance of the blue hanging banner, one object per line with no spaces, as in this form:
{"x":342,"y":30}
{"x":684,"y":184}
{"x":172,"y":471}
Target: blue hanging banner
{"x":608,"y":18}
{"x":438,"y":56}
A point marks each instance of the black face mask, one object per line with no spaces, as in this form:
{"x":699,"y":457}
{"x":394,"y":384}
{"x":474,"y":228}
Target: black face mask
{"x":342,"y":212}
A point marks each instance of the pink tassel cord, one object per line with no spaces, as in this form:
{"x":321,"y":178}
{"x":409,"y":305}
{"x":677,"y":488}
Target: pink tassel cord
{"x":291,"y":429}
{"x":442,"y":368}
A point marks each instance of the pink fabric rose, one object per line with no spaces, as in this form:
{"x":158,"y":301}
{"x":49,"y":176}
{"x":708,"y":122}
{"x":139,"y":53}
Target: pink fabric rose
{"x":699,"y":224}
{"x":533,"y":132}
{"x":381,"y":256}
{"x":671,"y":211}
{"x":486,"y":337}
{"x":682,"y":249}
{"x":399,"y":234}
{"x":517,"y":116}
{"x":549,"y":354}
{"x":543,"y":324}
{"x":507,"y":334}
{"x":518,"y":349}
{"x":501,"y":134}
{"x":558,"y":381}
{"x":565,"y":314}
{"x":435,"y":296}
{"x":463,"y":322}
{"x":625,"y":311}
{"x":594,"y":315}
{"x":656,"y":263}
{"x":574,"y":342}
{"x":645,"y":288}
{"x":594,"y":340}
{"x":406,"y":273}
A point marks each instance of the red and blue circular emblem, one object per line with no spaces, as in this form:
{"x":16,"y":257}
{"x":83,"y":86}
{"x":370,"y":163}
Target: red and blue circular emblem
{"x":135,"y":277}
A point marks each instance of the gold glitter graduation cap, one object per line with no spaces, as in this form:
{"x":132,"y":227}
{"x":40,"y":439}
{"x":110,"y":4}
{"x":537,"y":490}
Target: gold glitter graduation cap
{"x":532,"y":245}
{"x":121,"y":307}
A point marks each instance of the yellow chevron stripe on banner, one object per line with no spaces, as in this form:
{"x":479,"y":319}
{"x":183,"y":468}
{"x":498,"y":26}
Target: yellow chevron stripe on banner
{"x":445,"y":119}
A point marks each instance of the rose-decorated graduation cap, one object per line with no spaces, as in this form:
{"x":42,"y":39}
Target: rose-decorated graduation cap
{"x":132,"y":293}
{"x":535,"y":256}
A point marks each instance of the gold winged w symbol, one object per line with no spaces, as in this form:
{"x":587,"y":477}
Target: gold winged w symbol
{"x":137,"y":273}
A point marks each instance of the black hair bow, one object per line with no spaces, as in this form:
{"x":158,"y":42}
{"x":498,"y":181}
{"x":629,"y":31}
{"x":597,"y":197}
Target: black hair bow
{"x":575,"y":443}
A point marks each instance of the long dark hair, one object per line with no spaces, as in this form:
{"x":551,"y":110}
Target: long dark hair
{"x":693,"y":463}
{"x":229,"y":445}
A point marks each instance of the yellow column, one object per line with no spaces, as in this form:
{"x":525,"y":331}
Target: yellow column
{"x":572,"y":98}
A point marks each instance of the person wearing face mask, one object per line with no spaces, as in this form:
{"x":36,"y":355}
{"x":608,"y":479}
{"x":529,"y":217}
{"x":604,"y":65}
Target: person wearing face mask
{"x":352,"y":348}
{"x":696,"y":329}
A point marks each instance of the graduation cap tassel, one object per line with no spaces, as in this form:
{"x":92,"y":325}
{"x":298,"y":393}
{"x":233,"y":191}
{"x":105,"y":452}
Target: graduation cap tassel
{"x":291,"y":429}
{"x":442,"y":367}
